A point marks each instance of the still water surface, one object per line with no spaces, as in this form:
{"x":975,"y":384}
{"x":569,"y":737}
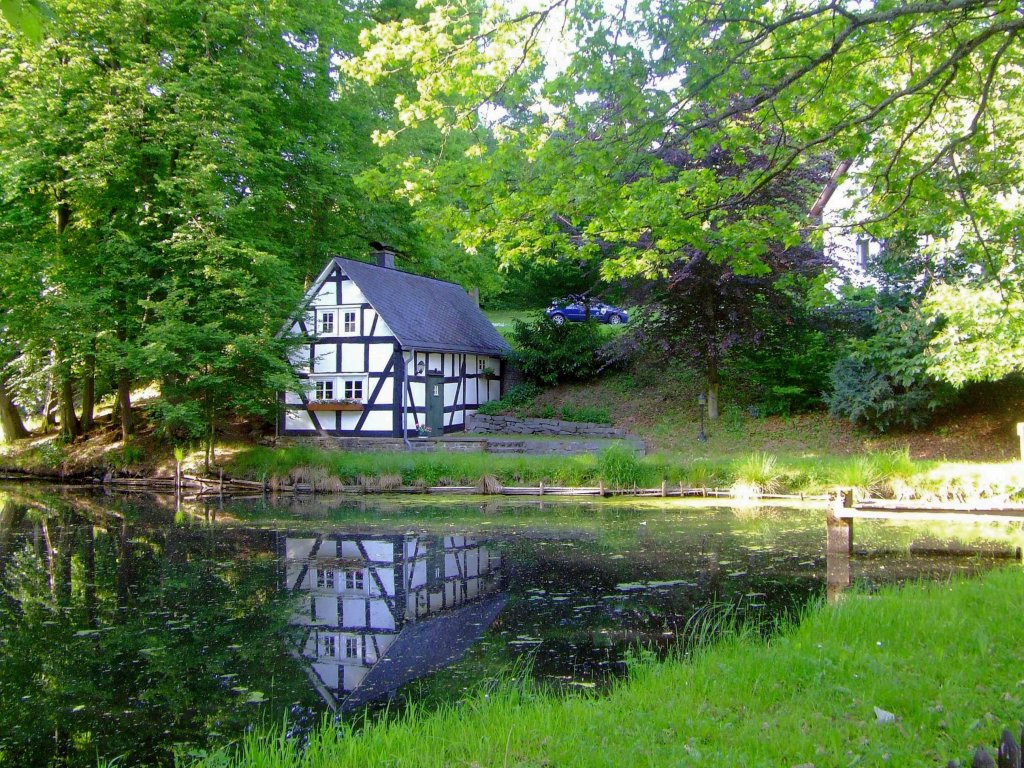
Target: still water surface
{"x":131,"y":627}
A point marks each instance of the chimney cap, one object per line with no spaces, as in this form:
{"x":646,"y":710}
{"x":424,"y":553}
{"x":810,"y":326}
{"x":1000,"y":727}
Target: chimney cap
{"x":378,"y":246}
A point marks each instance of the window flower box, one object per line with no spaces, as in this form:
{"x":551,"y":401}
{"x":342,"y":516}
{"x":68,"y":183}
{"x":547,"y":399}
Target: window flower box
{"x":335,"y":405}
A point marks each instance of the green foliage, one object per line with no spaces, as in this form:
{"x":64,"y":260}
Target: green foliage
{"x":619,"y":467}
{"x":520,"y":401}
{"x":584,"y":414}
{"x":980,"y":333}
{"x":122,"y":624}
{"x":789,"y":370}
{"x":170,"y":176}
{"x":760,"y":472}
{"x":550,"y":354}
{"x":129,"y":456}
{"x":885,"y":383}
{"x":747,"y":681}
{"x":517,"y":399}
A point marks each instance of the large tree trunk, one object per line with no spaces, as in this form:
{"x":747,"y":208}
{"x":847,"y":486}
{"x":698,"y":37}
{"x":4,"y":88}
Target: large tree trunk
{"x":69,"y":426}
{"x":11,"y":425}
{"x":124,"y":400}
{"x":89,"y":389}
{"x":713,"y":383}
{"x":48,"y":405}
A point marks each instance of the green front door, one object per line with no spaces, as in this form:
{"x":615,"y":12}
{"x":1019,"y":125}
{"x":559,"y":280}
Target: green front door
{"x":435,"y":404}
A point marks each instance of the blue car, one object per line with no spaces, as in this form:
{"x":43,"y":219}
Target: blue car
{"x":575,"y":311}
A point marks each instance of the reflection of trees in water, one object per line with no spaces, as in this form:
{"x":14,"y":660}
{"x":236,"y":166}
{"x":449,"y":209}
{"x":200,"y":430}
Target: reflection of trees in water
{"x":116,"y":634}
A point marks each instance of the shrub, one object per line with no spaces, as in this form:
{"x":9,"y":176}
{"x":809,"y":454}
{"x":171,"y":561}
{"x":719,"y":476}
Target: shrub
{"x":583,"y":414}
{"x":549,"y":354}
{"x":884,"y":384}
{"x":517,"y":399}
{"x":760,"y":472}
{"x":789,"y":369}
{"x":619,"y":466}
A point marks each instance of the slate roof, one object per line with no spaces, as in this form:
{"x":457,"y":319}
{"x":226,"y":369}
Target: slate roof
{"x":425,"y":313}
{"x":425,"y":646}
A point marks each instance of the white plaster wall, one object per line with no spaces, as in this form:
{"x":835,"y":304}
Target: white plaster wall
{"x":350,"y":294}
{"x":327,"y":610}
{"x":383,"y":329}
{"x":380,"y":356}
{"x":349,"y":419}
{"x":326,"y":360}
{"x":380,"y":615}
{"x":326,"y":296}
{"x":297,"y":420}
{"x":387,"y":578}
{"x":417,"y":388}
{"x":380,"y":551}
{"x":327,"y":672}
{"x":378,"y":421}
{"x":353,"y":612}
{"x":298,"y":549}
{"x":353,"y":676}
{"x":352,"y":358}
{"x":386,"y":396}
{"x":349,"y":549}
{"x":450,"y":390}
{"x":328,"y":549}
{"x":419,"y":574}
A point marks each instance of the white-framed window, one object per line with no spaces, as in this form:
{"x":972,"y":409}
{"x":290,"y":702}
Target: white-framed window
{"x":329,"y":645}
{"x":352,"y":650}
{"x":326,"y":324}
{"x":324,"y":578}
{"x":354,"y":389}
{"x":354,"y":580}
{"x":324,"y":389}
{"x":481,"y":363}
{"x":349,"y":321}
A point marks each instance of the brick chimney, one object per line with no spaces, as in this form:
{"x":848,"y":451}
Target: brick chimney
{"x":384,"y":254}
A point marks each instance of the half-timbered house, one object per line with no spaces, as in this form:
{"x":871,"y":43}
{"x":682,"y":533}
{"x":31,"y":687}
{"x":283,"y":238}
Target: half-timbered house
{"x":379,"y":611}
{"x":389,"y":354}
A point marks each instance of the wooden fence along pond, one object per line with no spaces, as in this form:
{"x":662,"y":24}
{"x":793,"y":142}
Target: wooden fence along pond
{"x":226,"y":486}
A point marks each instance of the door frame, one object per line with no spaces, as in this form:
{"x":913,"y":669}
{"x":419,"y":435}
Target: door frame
{"x":433,"y":416}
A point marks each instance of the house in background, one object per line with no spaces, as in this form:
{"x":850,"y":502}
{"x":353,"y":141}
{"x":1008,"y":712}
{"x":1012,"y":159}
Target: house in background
{"x":379,"y":611}
{"x":850,"y":247}
{"x":389,"y":354}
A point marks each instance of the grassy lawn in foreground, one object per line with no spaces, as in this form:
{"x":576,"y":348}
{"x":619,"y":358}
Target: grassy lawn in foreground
{"x":943,"y":658}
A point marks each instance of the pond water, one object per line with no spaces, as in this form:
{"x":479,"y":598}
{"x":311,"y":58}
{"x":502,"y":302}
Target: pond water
{"x":135,"y":627}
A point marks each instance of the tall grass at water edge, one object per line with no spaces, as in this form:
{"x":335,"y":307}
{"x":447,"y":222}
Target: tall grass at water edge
{"x":937,"y":656}
{"x":891,"y":474}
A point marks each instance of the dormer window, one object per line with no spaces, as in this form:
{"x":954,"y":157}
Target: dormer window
{"x":326,"y":323}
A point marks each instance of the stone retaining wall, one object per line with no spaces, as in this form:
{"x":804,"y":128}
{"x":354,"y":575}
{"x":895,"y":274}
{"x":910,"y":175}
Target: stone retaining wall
{"x":510,"y":425}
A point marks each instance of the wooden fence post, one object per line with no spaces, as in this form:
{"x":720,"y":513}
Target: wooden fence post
{"x":840,"y":529}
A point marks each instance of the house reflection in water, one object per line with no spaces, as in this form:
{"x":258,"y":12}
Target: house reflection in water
{"x":380,"y":611}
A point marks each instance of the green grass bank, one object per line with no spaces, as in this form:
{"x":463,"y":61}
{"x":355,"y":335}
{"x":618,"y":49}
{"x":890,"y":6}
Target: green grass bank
{"x":945,"y":659}
{"x":891,"y":473}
